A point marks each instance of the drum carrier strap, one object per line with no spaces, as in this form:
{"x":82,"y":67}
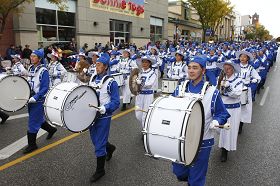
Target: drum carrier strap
{"x":182,"y":89}
{"x":103,"y":80}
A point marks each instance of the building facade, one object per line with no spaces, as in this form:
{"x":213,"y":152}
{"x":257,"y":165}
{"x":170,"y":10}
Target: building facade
{"x":183,"y":21}
{"x":226,"y":29}
{"x":92,"y":21}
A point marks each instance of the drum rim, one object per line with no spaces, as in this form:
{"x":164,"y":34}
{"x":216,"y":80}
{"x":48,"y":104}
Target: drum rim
{"x":26,"y":100}
{"x":94,"y":120}
{"x":201,"y":135}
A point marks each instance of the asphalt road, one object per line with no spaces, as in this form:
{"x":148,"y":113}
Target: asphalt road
{"x":256,"y":161}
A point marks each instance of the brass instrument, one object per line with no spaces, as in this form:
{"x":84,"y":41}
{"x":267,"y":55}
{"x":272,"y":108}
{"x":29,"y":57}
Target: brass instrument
{"x":221,"y":82}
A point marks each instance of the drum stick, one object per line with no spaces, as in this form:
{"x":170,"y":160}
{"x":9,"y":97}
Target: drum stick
{"x":21,"y":99}
{"x":225,"y":126}
{"x":138,"y":109}
{"x":90,"y":105}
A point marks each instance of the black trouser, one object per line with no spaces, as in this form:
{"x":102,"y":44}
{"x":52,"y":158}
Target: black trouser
{"x":3,"y":115}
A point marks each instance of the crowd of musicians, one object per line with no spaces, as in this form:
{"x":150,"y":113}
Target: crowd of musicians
{"x":236,"y":72}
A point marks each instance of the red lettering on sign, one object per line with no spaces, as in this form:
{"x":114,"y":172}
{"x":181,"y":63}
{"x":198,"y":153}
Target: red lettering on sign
{"x":123,"y":4}
{"x":103,"y":2}
{"x":96,"y":1}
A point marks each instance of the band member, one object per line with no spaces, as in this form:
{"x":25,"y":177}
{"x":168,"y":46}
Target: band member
{"x":230,"y":86}
{"x":263,"y":70}
{"x":39,"y":82}
{"x":146,"y":79}
{"x":108,"y":95}
{"x":249,"y":75}
{"x":114,"y":62}
{"x":211,"y":67}
{"x":215,"y":114}
{"x":18,"y":68}
{"x":80,"y":66}
{"x":91,"y":70}
{"x":178,"y":69}
{"x":56,"y":69}
{"x":125,"y":67}
{"x":256,"y":64}
{"x":154,"y":53}
{"x":3,"y":117}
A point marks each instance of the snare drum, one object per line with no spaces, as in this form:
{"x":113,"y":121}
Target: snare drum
{"x":244,"y":96}
{"x":168,"y":85}
{"x":119,"y":78}
{"x":71,"y":77}
{"x":67,"y":105}
{"x":15,"y":92}
{"x":174,"y":129}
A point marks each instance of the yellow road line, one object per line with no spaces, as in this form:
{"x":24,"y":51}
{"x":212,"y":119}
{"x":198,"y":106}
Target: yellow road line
{"x":47,"y":147}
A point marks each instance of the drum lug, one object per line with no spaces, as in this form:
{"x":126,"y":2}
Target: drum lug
{"x":182,"y":139}
{"x":144,"y":131}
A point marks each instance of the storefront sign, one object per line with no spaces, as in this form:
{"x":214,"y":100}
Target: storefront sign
{"x":126,"y":7}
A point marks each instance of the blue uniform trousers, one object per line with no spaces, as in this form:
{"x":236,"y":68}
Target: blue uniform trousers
{"x":196,"y":174}
{"x":99,"y":133}
{"x":36,"y":116}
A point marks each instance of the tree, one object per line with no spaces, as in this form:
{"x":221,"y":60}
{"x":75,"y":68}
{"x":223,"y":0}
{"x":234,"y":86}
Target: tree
{"x":258,"y":32}
{"x":211,"y":13}
{"x":15,"y":6}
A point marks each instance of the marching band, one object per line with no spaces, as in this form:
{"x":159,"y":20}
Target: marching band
{"x":224,"y":77}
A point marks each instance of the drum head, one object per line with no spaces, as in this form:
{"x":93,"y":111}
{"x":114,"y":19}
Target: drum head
{"x":77,"y":115}
{"x":14,"y":94}
{"x":194,"y":132}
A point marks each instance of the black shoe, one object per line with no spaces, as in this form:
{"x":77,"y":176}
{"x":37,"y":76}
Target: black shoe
{"x":4,"y":117}
{"x":124,"y":107}
{"x":50,"y":129}
{"x":97,"y":176}
{"x":224,"y":155}
{"x":240,"y":128}
{"x":31,"y":138}
{"x":100,"y":172}
{"x":29,"y":149}
{"x":110,"y":150}
{"x":182,"y":179}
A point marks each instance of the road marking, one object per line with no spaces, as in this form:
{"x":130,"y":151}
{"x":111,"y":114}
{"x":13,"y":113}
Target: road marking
{"x":264,"y":96}
{"x":18,"y":116}
{"x":47,"y":147}
{"x":275,"y":68}
{"x":16,"y":146}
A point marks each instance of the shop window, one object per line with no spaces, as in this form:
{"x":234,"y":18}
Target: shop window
{"x":66,"y":18}
{"x":66,"y":34}
{"x":156,"y":29}
{"x":55,"y":26}
{"x":45,"y":16}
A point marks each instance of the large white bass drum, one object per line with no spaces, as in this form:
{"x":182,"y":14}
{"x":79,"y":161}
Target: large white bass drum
{"x":15,"y":92}
{"x":67,"y":105}
{"x":174,"y":129}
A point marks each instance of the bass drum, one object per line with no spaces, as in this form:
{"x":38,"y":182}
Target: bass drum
{"x":15,"y":92}
{"x":174,"y":129}
{"x":67,"y":105}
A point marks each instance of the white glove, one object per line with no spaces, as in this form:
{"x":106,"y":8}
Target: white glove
{"x":8,"y":68}
{"x":254,"y":80}
{"x":227,"y":84}
{"x":102,"y":109}
{"x":213,"y":124}
{"x":85,"y":70}
{"x":138,"y":81}
{"x":32,"y":100}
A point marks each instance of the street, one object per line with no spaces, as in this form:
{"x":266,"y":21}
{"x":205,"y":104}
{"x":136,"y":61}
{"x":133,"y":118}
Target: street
{"x":68,"y":159}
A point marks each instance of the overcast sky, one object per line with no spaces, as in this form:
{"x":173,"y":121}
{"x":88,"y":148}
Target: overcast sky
{"x":268,"y":10}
